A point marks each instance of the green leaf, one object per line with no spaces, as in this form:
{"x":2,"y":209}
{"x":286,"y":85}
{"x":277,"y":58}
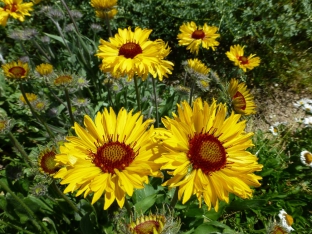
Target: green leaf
{"x":58,"y":38}
{"x":206,"y":228}
{"x":36,"y":204}
{"x":145,"y":204}
{"x":86,"y":225}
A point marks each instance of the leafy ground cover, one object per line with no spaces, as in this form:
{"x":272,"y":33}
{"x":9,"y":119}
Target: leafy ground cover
{"x":62,"y":61}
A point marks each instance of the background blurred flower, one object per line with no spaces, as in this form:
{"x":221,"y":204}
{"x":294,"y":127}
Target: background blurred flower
{"x":306,"y":158}
{"x":236,"y":54}
{"x":16,"y":70}
{"x":286,"y":220}
{"x":14,"y":8}
{"x":194,"y":36}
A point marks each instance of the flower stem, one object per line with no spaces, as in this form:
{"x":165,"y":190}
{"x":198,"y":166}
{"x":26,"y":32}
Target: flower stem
{"x":22,"y":230}
{"x":31,"y":214}
{"x":20,"y":149}
{"x":156,"y":105}
{"x":174,"y":198}
{"x":191,"y":93}
{"x":35,"y":113}
{"x":128,"y":207}
{"x":108,"y":25}
{"x":69,"y":107}
{"x":137,"y":92}
{"x":70,"y":203}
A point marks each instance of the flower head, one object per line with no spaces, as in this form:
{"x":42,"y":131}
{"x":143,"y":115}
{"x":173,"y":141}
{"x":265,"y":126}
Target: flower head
{"x":30,"y":96}
{"x":194,"y":36}
{"x":16,"y":70}
{"x":106,"y":14}
{"x":203,"y":84}
{"x":286,"y":220}
{"x":46,"y":162}
{"x":198,"y":66}
{"x":14,"y":8}
{"x":306,"y":158}
{"x":277,"y":228}
{"x":131,"y":53}
{"x":236,"y":54}
{"x":113,"y":155}
{"x":44,"y":69}
{"x":242,"y":101}
{"x":206,"y":153}
{"x":5,"y":125}
{"x":103,"y":5}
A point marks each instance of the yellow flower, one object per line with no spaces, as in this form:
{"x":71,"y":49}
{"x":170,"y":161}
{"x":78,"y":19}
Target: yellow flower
{"x":46,"y":162}
{"x":242,"y":101}
{"x":198,"y":66}
{"x":64,"y":80}
{"x":206,"y":154}
{"x":148,"y":224}
{"x":131,"y":53}
{"x":236,"y":54}
{"x":16,"y":70}
{"x":14,"y":8}
{"x":194,"y":36}
{"x":30,"y":96}
{"x":113,"y":155}
{"x":44,"y":69}
{"x":106,"y":14}
{"x":103,"y":5}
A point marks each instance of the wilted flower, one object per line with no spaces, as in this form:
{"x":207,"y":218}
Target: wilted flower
{"x":96,"y":28}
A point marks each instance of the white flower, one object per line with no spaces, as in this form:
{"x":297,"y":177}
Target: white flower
{"x":306,"y":158}
{"x":307,"y":107}
{"x":307,"y":121}
{"x":286,"y":220}
{"x":302,"y":102}
{"x":274,"y":130}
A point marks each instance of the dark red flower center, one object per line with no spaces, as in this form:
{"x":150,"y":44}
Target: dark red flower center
{"x":11,"y":7}
{"x":241,"y":97}
{"x":47,"y":162}
{"x":17,"y":71}
{"x":207,"y":153}
{"x":113,"y":155}
{"x":243,"y":60}
{"x":147,"y":227}
{"x":130,"y":50}
{"x":198,"y":34}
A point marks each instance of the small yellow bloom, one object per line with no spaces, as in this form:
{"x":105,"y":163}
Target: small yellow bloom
{"x":14,"y":8}
{"x":103,"y":5}
{"x":46,"y":162}
{"x":242,"y":101}
{"x":194,"y":36}
{"x":30,"y":96}
{"x":16,"y":70}
{"x":44,"y":69}
{"x":236,"y":54}
{"x":198,"y":66}
{"x":106,"y":14}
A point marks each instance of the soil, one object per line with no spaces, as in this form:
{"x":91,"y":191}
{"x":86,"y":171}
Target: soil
{"x":276,"y":104}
